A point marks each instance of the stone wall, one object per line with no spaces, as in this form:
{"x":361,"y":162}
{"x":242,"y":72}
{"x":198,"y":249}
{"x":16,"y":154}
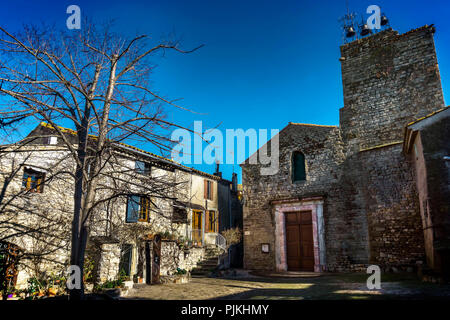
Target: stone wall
{"x":436,"y":146}
{"x":370,"y":208}
{"x":107,"y":261}
{"x":391,"y":202}
{"x":322,"y":147}
{"x":388,"y":81}
{"x":429,"y":151}
{"x":40,"y":222}
{"x":173,"y":257}
{"x":52,"y":210}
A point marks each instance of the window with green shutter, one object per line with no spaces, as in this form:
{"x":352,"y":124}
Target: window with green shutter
{"x":298,"y":166}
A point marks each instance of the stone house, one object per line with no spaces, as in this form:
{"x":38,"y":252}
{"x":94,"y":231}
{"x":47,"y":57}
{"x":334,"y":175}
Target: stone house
{"x":41,"y":191}
{"x":427,"y":144}
{"x":230,"y":208}
{"x":345,"y":196}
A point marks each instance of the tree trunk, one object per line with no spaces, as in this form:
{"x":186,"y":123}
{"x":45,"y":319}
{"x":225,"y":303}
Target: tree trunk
{"x":78,"y":294}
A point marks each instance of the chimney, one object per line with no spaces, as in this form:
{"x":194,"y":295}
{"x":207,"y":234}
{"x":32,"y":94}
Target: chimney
{"x":218,"y":173}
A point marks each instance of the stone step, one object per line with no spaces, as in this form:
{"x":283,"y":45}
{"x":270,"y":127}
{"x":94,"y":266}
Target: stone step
{"x":200,"y":272}
{"x":207,"y":265}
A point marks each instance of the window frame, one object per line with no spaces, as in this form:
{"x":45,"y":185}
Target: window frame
{"x":208,"y":190}
{"x":146,"y":170}
{"x":52,"y":140}
{"x":27,"y":184}
{"x":294,"y":167}
{"x":137,"y":216}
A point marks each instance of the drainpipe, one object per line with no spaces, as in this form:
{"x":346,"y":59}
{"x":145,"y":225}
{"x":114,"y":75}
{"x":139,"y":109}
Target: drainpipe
{"x":229,"y":213}
{"x":203,"y":221}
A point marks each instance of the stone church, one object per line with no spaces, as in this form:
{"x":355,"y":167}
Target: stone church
{"x":347,"y":196}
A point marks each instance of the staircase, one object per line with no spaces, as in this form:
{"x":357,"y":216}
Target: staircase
{"x":209,"y":262}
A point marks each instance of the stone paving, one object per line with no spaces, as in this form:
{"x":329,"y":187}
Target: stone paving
{"x":327,"y":287}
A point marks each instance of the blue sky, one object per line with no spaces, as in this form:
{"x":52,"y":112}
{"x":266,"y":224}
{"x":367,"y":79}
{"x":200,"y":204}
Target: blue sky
{"x":264,"y":63}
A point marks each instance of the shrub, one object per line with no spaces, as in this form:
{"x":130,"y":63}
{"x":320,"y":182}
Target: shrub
{"x":180,"y":271}
{"x":233,"y":236}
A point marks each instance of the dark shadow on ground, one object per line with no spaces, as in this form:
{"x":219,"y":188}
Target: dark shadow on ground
{"x":344,"y":287}
{"x":328,"y":286}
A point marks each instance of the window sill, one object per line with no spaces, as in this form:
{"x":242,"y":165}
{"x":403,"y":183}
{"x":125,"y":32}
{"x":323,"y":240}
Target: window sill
{"x":30,"y":191}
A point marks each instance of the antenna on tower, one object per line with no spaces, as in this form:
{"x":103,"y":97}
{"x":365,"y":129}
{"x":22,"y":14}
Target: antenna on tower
{"x":348,"y":25}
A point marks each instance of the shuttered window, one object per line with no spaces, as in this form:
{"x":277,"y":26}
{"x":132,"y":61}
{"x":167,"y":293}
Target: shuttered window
{"x":212,"y":221}
{"x":208,"y":189}
{"x":298,"y":166}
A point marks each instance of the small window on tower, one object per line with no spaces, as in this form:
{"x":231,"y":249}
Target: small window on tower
{"x":298,"y":167}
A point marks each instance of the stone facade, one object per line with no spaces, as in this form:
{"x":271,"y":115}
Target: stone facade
{"x":361,"y":181}
{"x":109,"y":231}
{"x":178,"y":258}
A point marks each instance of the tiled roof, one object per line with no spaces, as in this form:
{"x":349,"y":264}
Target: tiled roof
{"x":382,"y":145}
{"x":312,"y":125}
{"x":427,"y":116}
{"x":297,"y":126}
{"x":64,"y":130}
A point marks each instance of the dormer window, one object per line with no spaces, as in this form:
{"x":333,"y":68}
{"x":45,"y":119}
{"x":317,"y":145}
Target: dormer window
{"x":142,"y":167}
{"x":298,"y":167}
{"x":52,"y":140}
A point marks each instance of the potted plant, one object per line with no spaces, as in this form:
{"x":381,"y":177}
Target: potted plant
{"x":52,"y":291}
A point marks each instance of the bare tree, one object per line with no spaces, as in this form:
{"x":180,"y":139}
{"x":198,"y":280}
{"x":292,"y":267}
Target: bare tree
{"x":97,"y":82}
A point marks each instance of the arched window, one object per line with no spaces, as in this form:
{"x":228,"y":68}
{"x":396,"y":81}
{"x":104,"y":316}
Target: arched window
{"x":298,"y":166}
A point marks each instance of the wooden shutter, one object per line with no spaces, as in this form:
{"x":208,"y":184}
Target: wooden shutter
{"x":39,"y":185}
{"x":216,"y":221}
{"x":143,"y":209}
{"x":205,"y":189}
{"x":207,"y":224}
{"x":211,"y":190}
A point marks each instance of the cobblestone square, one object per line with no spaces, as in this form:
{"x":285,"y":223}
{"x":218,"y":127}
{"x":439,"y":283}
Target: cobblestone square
{"x":325,"y":287}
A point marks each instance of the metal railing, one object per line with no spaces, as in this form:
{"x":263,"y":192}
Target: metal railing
{"x":221,"y":242}
{"x":197,"y":236}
